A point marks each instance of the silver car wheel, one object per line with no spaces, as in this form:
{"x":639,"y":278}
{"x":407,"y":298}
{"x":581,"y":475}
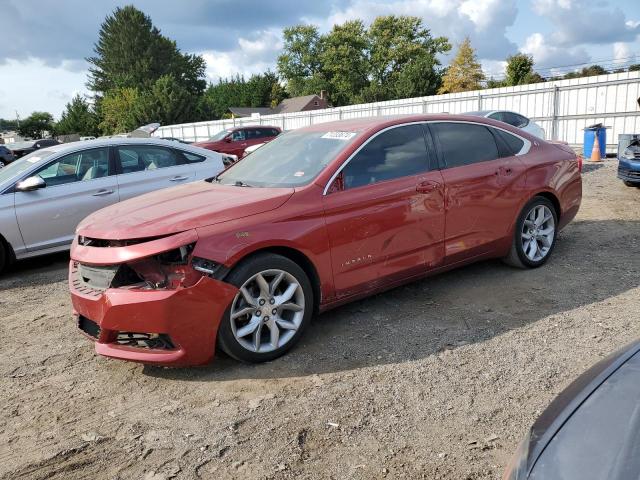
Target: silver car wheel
{"x":538,"y":233}
{"x":267,"y":311}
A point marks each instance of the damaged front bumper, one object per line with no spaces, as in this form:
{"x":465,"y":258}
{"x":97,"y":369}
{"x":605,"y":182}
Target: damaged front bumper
{"x":174,"y":325}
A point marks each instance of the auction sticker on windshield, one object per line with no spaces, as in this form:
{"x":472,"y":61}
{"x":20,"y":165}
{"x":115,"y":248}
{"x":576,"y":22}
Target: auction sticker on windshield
{"x":339,"y":135}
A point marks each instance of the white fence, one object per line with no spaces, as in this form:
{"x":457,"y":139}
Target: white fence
{"x":563,"y":108}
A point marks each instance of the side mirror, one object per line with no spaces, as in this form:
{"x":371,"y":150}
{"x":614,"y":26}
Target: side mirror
{"x":227,"y":139}
{"x":30,"y":184}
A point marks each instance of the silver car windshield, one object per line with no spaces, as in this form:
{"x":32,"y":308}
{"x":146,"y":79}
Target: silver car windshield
{"x":23,"y":164}
{"x":292,"y":159}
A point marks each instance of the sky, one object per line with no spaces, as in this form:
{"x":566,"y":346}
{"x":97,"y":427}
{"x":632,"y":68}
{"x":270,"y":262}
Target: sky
{"x":44,"y":42}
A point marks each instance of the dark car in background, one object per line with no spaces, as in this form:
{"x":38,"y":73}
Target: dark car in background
{"x":234,"y":141}
{"x":591,"y":430}
{"x":629,"y":164}
{"x":6,"y":156}
{"x":20,"y":149}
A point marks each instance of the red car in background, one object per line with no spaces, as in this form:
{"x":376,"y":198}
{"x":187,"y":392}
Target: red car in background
{"x":234,"y":141}
{"x":318,"y":217}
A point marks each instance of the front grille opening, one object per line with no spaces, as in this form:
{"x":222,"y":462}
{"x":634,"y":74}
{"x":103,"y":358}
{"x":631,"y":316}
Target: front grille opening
{"x":145,"y":340}
{"x":89,"y":327}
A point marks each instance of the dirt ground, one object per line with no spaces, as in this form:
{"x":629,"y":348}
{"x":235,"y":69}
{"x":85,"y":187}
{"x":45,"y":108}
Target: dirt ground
{"x":439,"y":379}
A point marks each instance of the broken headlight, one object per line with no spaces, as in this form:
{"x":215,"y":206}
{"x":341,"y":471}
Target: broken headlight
{"x":168,"y":270}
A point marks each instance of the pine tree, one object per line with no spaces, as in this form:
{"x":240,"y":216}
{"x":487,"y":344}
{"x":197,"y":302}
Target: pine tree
{"x":464,"y":73}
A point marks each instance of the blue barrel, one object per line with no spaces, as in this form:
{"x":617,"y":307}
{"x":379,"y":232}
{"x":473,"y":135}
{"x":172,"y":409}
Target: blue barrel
{"x":589,"y":136}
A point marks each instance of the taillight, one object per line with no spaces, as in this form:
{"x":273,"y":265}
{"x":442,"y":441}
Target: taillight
{"x":580,"y":162}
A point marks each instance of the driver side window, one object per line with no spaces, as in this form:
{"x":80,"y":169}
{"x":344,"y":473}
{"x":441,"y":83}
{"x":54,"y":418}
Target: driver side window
{"x":398,"y":152}
{"x":75,"y":167}
{"x":238,"y":136}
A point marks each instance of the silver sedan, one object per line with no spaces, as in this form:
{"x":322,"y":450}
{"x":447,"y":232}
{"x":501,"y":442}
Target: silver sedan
{"x":44,"y":195}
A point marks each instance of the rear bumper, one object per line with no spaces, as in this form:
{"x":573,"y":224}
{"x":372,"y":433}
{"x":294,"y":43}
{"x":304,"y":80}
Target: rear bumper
{"x":629,"y":170}
{"x":188,"y":316}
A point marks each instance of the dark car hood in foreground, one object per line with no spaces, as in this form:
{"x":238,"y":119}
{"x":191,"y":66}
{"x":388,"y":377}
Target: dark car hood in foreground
{"x":589,"y":410}
{"x":180,"y":208}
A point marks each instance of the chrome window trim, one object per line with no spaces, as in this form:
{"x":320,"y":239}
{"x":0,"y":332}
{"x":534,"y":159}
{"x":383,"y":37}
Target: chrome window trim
{"x":524,"y":150}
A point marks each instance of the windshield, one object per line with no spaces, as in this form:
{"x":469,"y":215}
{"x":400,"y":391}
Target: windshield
{"x":220,"y":135}
{"x":23,"y":164}
{"x":292,"y":159}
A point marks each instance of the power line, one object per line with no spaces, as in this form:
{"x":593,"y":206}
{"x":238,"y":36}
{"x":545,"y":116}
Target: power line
{"x":607,"y":64}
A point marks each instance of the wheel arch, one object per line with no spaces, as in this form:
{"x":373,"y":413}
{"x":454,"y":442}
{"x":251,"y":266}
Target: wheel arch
{"x":10,"y":256}
{"x":553,"y":199}
{"x":299,"y":258}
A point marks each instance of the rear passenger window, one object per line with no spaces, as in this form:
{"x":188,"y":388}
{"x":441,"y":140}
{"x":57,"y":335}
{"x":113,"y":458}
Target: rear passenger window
{"x":513,"y":143}
{"x":399,"y":152}
{"x":145,"y":157}
{"x":464,"y":143}
{"x":191,"y":157}
{"x":515,"y":119}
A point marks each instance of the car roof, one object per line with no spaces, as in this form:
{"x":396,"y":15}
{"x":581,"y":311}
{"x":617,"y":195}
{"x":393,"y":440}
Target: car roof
{"x":105,"y":142}
{"x":367,"y":124}
{"x":254,"y":126}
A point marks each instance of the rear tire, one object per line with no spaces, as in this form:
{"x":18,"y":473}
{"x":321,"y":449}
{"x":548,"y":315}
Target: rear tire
{"x":535,"y":234}
{"x":273,"y":306}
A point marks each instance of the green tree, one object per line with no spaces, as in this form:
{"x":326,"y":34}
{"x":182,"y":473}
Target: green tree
{"x":519,"y":69}
{"x":344,"y":63}
{"x":420,"y":77}
{"x":78,"y":117}
{"x":299,"y":64}
{"x":166,"y":102}
{"x":395,"y":43}
{"x":587,"y":72}
{"x":118,"y":111}
{"x":464,"y":73}
{"x":634,"y":68}
{"x":8,"y":124}
{"x":258,"y":91}
{"x":493,"y":83}
{"x":37,"y":125}
{"x":395,"y":57}
{"x":132,"y":53}
{"x":278,"y":94}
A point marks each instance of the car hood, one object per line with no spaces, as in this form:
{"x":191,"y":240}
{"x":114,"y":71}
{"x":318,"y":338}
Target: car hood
{"x":180,"y":208}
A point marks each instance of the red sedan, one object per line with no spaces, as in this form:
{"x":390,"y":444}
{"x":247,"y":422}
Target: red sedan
{"x":236,"y":140}
{"x":316,"y":218}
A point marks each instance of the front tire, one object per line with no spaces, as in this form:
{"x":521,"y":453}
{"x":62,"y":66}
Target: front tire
{"x":535,"y":234}
{"x":273,"y":306}
{"x":4,"y":257}
{"x":631,"y":184}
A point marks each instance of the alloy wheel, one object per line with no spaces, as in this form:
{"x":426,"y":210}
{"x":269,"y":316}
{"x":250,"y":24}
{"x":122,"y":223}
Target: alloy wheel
{"x":538,"y":233}
{"x":267,"y":311}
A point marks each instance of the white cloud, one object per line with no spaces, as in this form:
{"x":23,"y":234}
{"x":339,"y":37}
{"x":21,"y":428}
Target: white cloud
{"x":547,"y":55}
{"x":252,"y":55}
{"x":586,"y":22}
{"x":32,"y":85}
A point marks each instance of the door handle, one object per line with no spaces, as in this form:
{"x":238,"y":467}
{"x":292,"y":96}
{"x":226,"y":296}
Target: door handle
{"x":178,"y":178}
{"x":427,"y":187}
{"x":101,"y":193}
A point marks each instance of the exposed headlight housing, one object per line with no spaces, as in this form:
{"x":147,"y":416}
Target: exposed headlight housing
{"x":205,"y":266}
{"x":628,"y":154}
{"x":168,"y":270}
